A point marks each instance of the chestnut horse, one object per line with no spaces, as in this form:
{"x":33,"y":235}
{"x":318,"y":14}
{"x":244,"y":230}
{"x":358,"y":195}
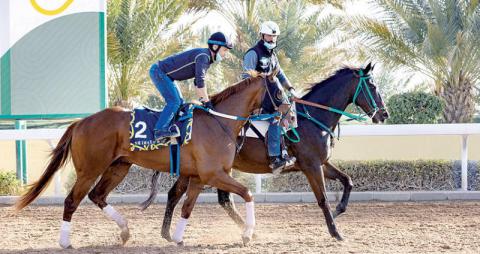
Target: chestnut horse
{"x":99,"y":146}
{"x":312,"y":152}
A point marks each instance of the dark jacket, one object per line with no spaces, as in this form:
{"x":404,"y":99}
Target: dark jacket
{"x":263,"y":60}
{"x":192,"y":63}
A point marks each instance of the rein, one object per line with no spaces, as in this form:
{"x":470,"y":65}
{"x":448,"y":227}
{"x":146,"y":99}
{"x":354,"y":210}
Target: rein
{"x":361,"y":87}
{"x":341,"y":112}
{"x":258,"y":117}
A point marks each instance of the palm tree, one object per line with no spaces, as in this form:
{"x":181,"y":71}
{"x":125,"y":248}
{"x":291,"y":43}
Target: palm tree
{"x":298,"y":47}
{"x":139,"y":33}
{"x":438,"y":39}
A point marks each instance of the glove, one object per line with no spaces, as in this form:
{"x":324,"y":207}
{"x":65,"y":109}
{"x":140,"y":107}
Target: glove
{"x":208,"y":104}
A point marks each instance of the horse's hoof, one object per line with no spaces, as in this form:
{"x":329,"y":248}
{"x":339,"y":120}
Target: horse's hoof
{"x":254,"y":236}
{"x":125,"y":235}
{"x":181,"y":244}
{"x":246,"y":240}
{"x":66,"y":246}
{"x":247,"y":235}
{"x":167,"y":237}
{"x":339,"y":237}
{"x":336,"y":214}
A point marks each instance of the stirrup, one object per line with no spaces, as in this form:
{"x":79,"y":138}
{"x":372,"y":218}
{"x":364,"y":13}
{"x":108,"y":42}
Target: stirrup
{"x":171,"y":134}
{"x":175,"y":131}
{"x":277,"y":166}
{"x":290,"y":162}
{"x":287,"y":164}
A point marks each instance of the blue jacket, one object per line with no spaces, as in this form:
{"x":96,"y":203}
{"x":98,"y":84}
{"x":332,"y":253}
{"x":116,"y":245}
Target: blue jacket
{"x":263,"y":60}
{"x":189,"y":64}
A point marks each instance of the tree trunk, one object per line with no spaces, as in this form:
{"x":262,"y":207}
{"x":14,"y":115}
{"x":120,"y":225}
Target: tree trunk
{"x":459,"y":101}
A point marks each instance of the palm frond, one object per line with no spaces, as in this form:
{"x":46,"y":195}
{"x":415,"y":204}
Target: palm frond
{"x":301,"y":33}
{"x":139,"y":33}
{"x":436,"y":38}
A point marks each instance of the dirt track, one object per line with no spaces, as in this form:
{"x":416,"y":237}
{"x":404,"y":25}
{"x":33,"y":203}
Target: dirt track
{"x":446,"y":227}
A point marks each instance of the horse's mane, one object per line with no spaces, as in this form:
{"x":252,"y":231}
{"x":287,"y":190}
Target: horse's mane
{"x":239,"y":86}
{"x":340,"y":72}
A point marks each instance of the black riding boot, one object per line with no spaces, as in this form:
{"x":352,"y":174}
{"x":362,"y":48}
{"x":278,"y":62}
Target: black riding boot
{"x":278,"y":163}
{"x":163,"y":136}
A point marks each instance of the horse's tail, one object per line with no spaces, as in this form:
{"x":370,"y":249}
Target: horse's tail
{"x":153,"y":192}
{"x":59,"y":156}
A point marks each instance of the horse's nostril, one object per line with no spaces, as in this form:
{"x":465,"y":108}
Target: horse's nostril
{"x":385,"y":114}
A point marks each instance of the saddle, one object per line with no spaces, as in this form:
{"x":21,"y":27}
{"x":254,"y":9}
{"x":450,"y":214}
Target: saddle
{"x":259,"y":129}
{"x":142,"y":124}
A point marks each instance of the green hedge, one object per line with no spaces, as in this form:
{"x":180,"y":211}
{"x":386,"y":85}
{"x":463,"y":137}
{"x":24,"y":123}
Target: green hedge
{"x":379,"y":176}
{"x":9,"y":185}
{"x":414,"y":108}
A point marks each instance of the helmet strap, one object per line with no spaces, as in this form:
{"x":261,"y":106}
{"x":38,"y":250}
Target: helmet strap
{"x":263,"y":38}
{"x":215,"y":51}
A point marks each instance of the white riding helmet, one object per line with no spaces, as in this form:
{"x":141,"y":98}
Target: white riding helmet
{"x":270,"y":28}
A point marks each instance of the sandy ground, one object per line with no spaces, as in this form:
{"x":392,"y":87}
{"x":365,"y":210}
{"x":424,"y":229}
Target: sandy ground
{"x":427,"y":227}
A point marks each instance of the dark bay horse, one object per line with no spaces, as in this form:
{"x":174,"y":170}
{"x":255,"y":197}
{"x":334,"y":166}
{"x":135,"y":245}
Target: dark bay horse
{"x":312,"y":152}
{"x":99,"y":146}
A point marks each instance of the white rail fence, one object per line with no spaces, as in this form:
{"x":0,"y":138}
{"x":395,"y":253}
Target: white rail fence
{"x":463,"y":130}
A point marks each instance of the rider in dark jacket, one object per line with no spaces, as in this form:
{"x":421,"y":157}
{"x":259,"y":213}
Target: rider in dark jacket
{"x":262,"y":58}
{"x":192,"y":63}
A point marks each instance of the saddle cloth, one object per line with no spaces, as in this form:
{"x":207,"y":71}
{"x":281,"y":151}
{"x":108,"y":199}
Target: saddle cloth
{"x":142,"y":123}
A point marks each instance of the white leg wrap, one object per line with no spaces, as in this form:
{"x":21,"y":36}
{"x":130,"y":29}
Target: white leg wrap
{"x":180,"y":230}
{"x":114,"y":215}
{"x":249,"y":220}
{"x":65,"y":234}
{"x":250,"y":216}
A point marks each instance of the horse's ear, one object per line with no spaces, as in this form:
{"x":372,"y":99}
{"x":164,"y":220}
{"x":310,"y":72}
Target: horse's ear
{"x":373,"y":67}
{"x":368,"y":68}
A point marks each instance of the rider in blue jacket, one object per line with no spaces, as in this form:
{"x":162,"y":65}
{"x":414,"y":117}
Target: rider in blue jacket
{"x":263,"y":59}
{"x":192,"y":63}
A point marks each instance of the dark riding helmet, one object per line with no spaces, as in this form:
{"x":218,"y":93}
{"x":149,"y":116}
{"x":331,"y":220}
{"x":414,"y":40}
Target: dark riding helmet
{"x":220,"y":39}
